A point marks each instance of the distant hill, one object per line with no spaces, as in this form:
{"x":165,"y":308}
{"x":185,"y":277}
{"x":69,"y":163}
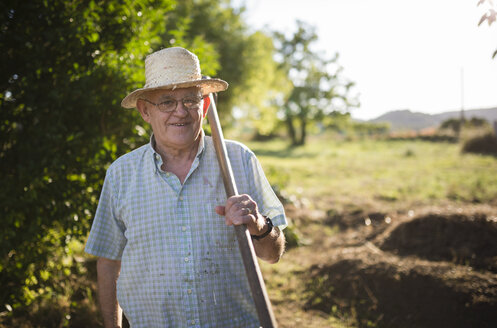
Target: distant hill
{"x":407,"y":120}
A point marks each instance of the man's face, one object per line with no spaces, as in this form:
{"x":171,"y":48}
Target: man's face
{"x":176,"y":130}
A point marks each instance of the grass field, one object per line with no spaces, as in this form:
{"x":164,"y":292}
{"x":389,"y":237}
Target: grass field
{"x":409,"y":172}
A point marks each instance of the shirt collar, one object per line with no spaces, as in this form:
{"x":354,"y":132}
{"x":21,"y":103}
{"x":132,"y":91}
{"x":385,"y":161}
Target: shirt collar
{"x":158,"y":158}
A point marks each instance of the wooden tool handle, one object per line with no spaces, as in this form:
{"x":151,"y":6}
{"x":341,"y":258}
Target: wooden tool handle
{"x":254,"y":275}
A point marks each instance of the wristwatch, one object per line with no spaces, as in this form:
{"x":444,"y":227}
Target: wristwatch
{"x":269,"y":229}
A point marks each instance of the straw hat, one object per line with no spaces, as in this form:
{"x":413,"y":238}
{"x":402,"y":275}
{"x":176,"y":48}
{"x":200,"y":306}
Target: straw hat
{"x":170,"y":69}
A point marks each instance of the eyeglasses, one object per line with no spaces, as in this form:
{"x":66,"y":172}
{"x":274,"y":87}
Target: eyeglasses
{"x":170,"y":105}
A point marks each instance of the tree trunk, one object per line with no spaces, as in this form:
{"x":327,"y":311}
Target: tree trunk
{"x":291,"y":129}
{"x":303,"y":131}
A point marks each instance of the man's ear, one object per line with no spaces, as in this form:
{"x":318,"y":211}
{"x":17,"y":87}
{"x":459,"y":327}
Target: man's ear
{"x":207,"y":103}
{"x":143,"y":109}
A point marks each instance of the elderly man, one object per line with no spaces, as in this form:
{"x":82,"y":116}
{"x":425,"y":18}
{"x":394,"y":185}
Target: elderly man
{"x":166,"y":255}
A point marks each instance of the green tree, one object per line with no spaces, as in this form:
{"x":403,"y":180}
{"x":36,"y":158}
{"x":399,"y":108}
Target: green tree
{"x":65,"y":66}
{"x":244,"y":58}
{"x":318,"y":87}
{"x":454,"y":125}
{"x":265,"y":86}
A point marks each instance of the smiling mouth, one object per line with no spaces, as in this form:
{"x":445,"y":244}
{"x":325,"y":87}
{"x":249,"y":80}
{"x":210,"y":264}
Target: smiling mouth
{"x":178,"y":124}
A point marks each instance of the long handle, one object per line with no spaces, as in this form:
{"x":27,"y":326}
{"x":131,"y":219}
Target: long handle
{"x":254,"y":275}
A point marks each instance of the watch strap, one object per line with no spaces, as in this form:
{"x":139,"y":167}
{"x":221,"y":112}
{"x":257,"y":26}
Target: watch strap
{"x":268,"y":231}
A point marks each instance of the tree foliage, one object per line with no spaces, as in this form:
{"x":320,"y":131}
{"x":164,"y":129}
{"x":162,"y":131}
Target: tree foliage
{"x":265,"y":87}
{"x":240,"y":54}
{"x":455,"y":125}
{"x":317,"y":85}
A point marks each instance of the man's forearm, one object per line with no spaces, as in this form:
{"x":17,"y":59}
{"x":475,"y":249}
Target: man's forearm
{"x":108,"y":272}
{"x":271,"y":247}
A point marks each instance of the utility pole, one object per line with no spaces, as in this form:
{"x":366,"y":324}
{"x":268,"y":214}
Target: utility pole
{"x":462,"y":95}
{"x":461,"y":119}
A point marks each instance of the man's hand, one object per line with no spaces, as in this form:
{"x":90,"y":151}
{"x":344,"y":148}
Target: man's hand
{"x":242,"y":209}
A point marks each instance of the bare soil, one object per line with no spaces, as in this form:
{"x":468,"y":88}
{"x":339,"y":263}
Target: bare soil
{"x":432,"y":267}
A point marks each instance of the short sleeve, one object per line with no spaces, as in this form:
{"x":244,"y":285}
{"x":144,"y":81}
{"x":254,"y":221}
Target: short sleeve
{"x":262,"y":192}
{"x":107,"y":237}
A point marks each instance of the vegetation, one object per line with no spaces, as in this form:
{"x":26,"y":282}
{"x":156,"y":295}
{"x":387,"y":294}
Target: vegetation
{"x":343,"y":124}
{"x":216,"y":32}
{"x":454,"y":126}
{"x":395,"y":172}
{"x":481,"y":144}
{"x":318,"y":89}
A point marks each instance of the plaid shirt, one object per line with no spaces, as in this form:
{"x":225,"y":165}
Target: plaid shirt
{"x":181,"y":266}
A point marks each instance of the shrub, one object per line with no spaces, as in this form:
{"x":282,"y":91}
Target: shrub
{"x":484,"y":144}
{"x":292,"y":237}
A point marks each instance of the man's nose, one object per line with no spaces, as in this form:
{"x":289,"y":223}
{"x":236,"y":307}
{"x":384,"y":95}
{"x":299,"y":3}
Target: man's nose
{"x":180,"y":110}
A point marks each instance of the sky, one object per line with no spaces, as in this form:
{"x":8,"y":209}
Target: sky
{"x":427,"y":56}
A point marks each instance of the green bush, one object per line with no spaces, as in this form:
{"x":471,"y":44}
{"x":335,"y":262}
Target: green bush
{"x":293,"y":237}
{"x":485,"y":144}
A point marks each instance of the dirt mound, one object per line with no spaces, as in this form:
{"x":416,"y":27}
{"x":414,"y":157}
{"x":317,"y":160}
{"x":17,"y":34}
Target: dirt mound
{"x":458,"y":238}
{"x":404,"y":266}
{"x":386,"y":291}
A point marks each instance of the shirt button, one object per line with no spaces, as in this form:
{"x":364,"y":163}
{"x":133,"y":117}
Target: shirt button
{"x":180,"y":197}
{"x":187,"y":259}
{"x":189,"y":291}
{"x":192,"y":322}
{"x":183,"y":228}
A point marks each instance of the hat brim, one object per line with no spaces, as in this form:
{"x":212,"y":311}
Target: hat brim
{"x":206,"y":86}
